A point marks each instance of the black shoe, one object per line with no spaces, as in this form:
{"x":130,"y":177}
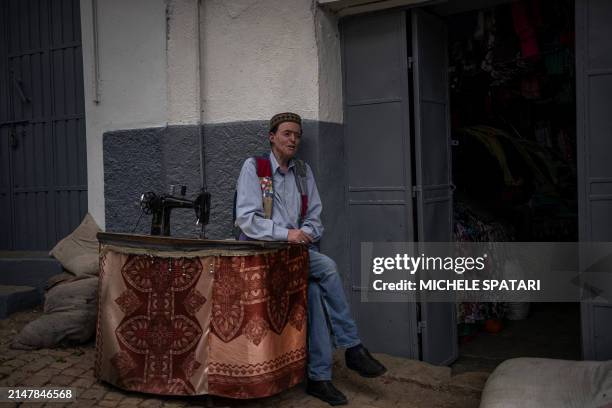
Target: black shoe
{"x":325,"y":391}
{"x":358,"y":358}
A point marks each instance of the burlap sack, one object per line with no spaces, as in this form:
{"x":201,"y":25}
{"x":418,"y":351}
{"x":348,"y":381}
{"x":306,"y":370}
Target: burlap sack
{"x":78,"y":252}
{"x":69,"y":316}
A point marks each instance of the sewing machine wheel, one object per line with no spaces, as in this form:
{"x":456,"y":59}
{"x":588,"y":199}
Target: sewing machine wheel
{"x":146,"y":202}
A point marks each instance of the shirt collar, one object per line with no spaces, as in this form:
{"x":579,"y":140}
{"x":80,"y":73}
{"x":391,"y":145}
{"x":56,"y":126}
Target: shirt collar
{"x":274,"y":163}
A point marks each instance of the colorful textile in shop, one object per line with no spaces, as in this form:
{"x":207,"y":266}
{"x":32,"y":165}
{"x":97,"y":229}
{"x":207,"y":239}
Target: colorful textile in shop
{"x":473,"y":227}
{"x":524,"y":25}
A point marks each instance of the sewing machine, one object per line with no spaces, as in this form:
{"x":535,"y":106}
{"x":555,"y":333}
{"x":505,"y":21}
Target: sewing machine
{"x":161,"y":206}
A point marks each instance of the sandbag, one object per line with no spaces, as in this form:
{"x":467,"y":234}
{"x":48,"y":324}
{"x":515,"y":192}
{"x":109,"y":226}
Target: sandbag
{"x":78,"y":252}
{"x":543,"y":383}
{"x":69,"y":317}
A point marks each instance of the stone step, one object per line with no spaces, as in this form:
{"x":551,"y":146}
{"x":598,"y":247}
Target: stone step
{"x":14,"y":298}
{"x":27,"y":268}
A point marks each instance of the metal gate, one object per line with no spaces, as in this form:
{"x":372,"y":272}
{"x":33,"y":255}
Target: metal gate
{"x":43,"y":179}
{"x":398,"y":172}
{"x":433,"y":187}
{"x":379,"y":165}
{"x":594,"y":142}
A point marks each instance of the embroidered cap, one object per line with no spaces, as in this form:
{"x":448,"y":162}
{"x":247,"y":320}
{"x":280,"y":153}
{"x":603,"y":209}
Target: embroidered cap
{"x":284,"y":117}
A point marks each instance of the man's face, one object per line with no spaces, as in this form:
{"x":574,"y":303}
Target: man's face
{"x":286,"y":140}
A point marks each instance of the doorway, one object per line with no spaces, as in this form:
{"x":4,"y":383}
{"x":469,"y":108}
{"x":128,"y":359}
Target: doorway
{"x":512,"y":83}
{"x":512,"y":113}
{"x":43,"y":172}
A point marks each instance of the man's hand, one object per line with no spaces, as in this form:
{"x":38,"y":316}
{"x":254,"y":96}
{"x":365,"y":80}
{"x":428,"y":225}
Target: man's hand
{"x":298,"y":236}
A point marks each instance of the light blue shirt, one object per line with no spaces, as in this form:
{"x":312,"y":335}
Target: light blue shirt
{"x":286,"y":205}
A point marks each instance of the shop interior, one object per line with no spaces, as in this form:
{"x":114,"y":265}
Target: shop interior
{"x":513,"y":120}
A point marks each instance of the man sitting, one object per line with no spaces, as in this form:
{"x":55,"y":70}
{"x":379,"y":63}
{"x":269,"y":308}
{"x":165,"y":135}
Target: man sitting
{"x":284,"y":205}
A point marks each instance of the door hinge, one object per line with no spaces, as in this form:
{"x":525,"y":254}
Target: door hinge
{"x":421,"y":326}
{"x":415,"y":190}
{"x":410,"y":62}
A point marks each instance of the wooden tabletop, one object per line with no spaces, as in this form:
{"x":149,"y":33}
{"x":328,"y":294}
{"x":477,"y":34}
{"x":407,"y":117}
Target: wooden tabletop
{"x":183,"y":244}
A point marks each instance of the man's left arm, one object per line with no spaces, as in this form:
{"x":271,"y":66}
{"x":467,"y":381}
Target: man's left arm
{"x":312,"y":221}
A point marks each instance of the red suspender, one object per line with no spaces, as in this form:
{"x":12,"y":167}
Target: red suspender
{"x":264,"y":169}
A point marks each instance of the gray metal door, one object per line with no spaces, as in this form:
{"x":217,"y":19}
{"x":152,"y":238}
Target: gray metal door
{"x":433,"y":172}
{"x":594,"y":144}
{"x":43,"y":186}
{"x":377,"y":141}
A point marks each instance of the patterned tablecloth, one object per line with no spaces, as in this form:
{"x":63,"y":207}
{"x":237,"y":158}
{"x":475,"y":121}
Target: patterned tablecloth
{"x":211,"y":321}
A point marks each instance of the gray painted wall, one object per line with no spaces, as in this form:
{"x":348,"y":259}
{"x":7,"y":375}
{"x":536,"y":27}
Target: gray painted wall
{"x":140,"y":160}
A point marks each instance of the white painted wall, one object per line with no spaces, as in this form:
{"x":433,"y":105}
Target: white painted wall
{"x":183,"y":62}
{"x":132,"y":72}
{"x":148,"y":74}
{"x":259,"y":58}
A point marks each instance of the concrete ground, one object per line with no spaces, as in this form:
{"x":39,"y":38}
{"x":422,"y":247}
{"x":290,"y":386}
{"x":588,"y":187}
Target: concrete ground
{"x":407,"y":384}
